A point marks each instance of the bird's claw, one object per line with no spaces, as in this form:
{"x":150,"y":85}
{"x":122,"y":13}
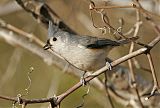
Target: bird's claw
{"x":82,"y":80}
{"x":109,"y":66}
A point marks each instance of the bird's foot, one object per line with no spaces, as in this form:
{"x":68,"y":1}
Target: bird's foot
{"x":109,"y":65}
{"x":82,"y":80}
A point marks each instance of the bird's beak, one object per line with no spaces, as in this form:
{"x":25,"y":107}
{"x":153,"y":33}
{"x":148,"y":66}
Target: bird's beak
{"x":47,"y":46}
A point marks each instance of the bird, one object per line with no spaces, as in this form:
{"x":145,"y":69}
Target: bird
{"x":86,"y":53}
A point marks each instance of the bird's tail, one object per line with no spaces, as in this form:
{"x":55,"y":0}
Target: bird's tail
{"x":128,"y":40}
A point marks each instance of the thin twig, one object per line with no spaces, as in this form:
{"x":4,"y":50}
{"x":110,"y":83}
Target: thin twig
{"x":107,"y":92}
{"x":130,"y":60}
{"x":155,"y":80}
{"x":132,"y":6}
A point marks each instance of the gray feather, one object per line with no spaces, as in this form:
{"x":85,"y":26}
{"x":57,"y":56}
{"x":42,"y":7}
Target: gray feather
{"x":52,"y":29}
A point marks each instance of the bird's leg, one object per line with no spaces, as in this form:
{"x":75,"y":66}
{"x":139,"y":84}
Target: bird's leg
{"x":82,"y":80}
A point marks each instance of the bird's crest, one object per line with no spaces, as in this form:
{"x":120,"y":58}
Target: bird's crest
{"x":52,"y":29}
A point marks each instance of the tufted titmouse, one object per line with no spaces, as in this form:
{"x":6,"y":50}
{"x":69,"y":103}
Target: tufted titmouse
{"x":86,"y":53}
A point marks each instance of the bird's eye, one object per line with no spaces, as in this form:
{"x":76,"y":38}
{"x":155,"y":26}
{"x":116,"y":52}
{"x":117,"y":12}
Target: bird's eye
{"x":54,"y":39}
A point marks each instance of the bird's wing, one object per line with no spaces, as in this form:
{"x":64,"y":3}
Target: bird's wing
{"x":94,"y":42}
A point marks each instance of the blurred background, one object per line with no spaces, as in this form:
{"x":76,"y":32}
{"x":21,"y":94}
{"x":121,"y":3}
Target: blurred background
{"x":47,"y":80}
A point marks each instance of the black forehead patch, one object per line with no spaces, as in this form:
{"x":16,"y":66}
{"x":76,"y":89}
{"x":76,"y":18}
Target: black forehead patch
{"x":48,"y":42}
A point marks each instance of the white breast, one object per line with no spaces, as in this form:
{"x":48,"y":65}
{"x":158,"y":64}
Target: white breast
{"x":85,"y":59}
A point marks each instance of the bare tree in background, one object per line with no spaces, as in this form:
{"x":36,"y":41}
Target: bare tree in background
{"x":123,"y":84}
